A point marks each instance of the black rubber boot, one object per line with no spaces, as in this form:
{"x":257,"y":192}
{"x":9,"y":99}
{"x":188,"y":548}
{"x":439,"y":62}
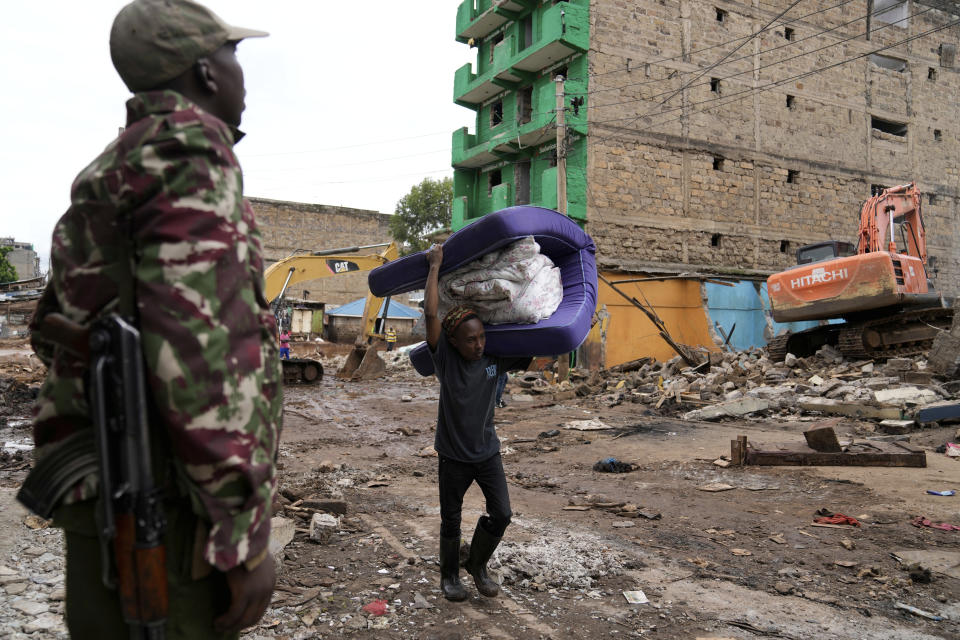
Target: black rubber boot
{"x":450,"y":584}
{"x":481,"y":548}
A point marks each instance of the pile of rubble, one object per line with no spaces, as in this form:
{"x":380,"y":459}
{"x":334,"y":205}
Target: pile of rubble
{"x":749,"y":383}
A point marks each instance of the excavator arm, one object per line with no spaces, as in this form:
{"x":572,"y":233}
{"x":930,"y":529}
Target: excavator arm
{"x":363,"y":362}
{"x":897,"y":205}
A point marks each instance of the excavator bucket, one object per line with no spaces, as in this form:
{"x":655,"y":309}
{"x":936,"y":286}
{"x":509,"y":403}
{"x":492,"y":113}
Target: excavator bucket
{"x":363,"y":363}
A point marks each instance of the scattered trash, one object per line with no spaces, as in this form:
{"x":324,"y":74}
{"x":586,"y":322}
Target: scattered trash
{"x":636,"y":597}
{"x":950,"y":492}
{"x":918,"y":573}
{"x":848,"y":544}
{"x":921,"y":521}
{"x":779,"y":539}
{"x":612,"y":465}
{"x":723,"y":462}
{"x":917,"y":612}
{"x":714,"y":487}
{"x":624,"y":524}
{"x":846,"y":564}
{"x":741,"y":552}
{"x":373,"y":484}
{"x":376,"y":608}
{"x":827,"y":517}
{"x":938,"y":561}
{"x":419,"y":602}
{"x":586,"y":425}
{"x":427,"y":452}
{"x":549,"y":434}
{"x":952,"y":450}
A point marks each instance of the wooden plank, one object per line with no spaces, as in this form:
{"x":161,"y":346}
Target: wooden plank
{"x":853,"y":409}
{"x":874,"y":454}
{"x":940,"y":411}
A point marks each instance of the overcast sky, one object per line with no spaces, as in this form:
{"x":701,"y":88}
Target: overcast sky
{"x":348,"y":103}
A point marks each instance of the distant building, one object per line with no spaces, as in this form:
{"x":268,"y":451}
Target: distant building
{"x":23,"y":258}
{"x":344,"y":322}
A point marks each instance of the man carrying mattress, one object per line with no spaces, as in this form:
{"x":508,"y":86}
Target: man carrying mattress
{"x":466,"y":442}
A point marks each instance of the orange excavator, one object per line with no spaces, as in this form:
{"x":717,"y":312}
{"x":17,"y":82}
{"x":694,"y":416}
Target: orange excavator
{"x":880,"y":288}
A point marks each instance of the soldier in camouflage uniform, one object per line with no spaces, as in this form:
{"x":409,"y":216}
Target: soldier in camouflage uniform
{"x":161,"y":211}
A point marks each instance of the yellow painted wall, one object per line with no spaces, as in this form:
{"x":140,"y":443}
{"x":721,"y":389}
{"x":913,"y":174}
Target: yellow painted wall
{"x":631,"y":335}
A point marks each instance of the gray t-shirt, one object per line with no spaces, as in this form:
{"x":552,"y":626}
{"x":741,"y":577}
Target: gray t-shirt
{"x":467,"y":392}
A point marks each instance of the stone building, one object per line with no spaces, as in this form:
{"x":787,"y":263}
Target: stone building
{"x":23,"y":257}
{"x":713,"y":137}
{"x":291,"y":226}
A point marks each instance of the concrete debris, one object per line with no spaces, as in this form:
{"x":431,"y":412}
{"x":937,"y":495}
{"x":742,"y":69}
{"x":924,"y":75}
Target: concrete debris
{"x":571,"y":562}
{"x":322,"y":527}
{"x":281,"y":534}
{"x":586,"y":425}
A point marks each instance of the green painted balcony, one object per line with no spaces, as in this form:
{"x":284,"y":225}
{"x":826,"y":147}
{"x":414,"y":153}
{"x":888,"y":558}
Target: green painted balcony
{"x":477,"y":18}
{"x":471,"y":153}
{"x":564,"y":31}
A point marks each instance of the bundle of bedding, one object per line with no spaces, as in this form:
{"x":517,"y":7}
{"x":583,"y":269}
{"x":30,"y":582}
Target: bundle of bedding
{"x":516,"y":284}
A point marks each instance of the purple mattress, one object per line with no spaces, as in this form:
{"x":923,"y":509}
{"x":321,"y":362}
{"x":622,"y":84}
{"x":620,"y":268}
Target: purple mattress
{"x":559,"y":237}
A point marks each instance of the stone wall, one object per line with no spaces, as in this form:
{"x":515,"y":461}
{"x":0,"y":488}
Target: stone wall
{"x":720,"y":176}
{"x":289,"y":226}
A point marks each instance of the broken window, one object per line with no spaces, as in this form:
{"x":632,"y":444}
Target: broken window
{"x":715,"y":85}
{"x":898,"y":129}
{"x":496,"y":113}
{"x":524,"y":105}
{"x":721,"y":14}
{"x":715,"y":240}
{"x":937,"y":135}
{"x":791,"y":102}
{"x":793,"y":176}
{"x":789,"y":33}
{"x":493,"y":179}
{"x":891,"y":11}
{"x":717,"y":163}
{"x":887,"y":62}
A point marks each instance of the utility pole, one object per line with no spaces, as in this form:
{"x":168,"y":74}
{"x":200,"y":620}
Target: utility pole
{"x":563,"y":362}
{"x":561,"y":147}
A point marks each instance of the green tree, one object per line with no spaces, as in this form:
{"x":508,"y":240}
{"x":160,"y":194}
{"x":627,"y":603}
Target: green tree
{"x":422,"y":211}
{"x":7,"y":272}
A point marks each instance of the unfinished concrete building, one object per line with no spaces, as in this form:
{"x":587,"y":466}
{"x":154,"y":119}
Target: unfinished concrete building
{"x":720,"y":136}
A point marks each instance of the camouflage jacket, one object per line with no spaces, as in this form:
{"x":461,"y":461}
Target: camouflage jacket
{"x":171,"y":186}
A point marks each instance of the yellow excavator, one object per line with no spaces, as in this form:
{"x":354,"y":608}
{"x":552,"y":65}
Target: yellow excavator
{"x":363,"y":363}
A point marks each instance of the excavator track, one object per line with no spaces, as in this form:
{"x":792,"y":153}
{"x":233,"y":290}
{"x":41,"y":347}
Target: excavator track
{"x":908,"y":333}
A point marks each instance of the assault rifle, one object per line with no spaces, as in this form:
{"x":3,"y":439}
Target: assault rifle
{"x":129,"y":513}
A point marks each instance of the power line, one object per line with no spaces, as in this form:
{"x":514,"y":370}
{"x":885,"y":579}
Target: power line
{"x":790,"y":43}
{"x":748,"y":92}
{"x":723,"y":44}
{"x":766,"y":66}
{"x":734,"y":50}
{"x":383,"y":179}
{"x":373,"y":160}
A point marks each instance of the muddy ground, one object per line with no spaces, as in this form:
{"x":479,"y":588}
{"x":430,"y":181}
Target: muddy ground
{"x":740,"y":563}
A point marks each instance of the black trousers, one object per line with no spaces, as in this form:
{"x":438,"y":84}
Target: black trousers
{"x":456,"y":477}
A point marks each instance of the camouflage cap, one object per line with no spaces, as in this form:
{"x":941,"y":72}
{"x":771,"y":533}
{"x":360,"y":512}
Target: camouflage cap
{"x":153,"y":41}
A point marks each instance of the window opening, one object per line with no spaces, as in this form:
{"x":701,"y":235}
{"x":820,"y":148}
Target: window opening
{"x":891,"y":11}
{"x":888,"y":62}
{"x":793,"y":176}
{"x":496,"y":113}
{"x":931,"y":74}
{"x":715,"y":240}
{"x":933,"y":198}
{"x":791,"y":102}
{"x":789,"y":33}
{"x":717,"y":163}
{"x":715,"y":85}
{"x":937,"y":135}
{"x":494,"y":178}
{"x":525,"y":105}
{"x":527,"y":27}
{"x":784,"y":246}
{"x":494,"y":41}
{"x":721,"y":14}
{"x":553,"y":158}
{"x":887,"y":126}
{"x":522,"y":173}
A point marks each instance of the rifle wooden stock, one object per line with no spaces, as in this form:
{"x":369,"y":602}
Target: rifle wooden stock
{"x":141,"y":574}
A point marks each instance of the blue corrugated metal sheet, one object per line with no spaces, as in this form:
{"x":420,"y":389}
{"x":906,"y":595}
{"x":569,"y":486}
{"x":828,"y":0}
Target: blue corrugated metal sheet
{"x":398,"y":311}
{"x":746,"y":304}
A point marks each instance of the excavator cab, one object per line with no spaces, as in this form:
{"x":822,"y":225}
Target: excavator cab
{"x":820,"y":251}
